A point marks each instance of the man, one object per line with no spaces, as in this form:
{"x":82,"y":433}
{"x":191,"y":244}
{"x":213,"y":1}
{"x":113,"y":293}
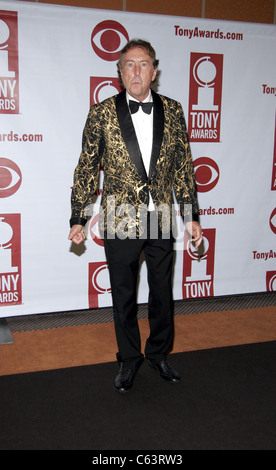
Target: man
{"x":144,"y":155}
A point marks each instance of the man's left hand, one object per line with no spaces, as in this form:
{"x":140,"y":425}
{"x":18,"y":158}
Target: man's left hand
{"x":195,"y":231}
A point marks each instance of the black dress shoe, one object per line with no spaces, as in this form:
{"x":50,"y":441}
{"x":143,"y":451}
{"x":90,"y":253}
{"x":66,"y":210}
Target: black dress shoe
{"x":125,"y":378}
{"x":166,"y":371}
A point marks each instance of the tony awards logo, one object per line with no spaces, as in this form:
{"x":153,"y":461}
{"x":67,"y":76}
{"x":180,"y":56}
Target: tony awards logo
{"x":198,"y":267}
{"x":205,"y":97}
{"x":271,"y":281}
{"x":10,"y":262}
{"x":204,"y":73}
{"x":273,"y":182}
{"x":9,"y":76}
{"x":102,"y":88}
{"x":99,"y":284}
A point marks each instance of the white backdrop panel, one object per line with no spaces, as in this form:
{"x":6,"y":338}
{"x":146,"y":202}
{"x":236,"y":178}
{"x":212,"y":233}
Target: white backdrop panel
{"x":56,"y":62}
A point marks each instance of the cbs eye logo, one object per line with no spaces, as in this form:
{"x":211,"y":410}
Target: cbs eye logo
{"x":10,"y":177}
{"x":108,"y":38}
{"x":206,"y":174}
{"x":272,"y":221}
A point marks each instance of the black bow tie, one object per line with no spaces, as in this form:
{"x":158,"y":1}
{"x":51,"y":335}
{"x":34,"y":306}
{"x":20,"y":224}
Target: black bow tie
{"x":134,"y":106}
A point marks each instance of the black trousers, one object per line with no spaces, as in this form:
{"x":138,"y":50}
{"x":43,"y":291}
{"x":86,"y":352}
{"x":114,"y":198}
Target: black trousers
{"x":123,"y":259}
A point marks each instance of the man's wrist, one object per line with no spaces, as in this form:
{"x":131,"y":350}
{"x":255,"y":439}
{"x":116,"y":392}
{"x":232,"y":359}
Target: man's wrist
{"x":77,"y":221}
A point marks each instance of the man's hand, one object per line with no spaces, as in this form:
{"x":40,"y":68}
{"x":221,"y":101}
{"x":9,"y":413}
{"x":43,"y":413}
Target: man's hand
{"x":195,"y":231}
{"x":77,"y":234}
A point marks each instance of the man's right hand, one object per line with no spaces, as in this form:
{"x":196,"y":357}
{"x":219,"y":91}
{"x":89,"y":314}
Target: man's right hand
{"x":77,"y":234}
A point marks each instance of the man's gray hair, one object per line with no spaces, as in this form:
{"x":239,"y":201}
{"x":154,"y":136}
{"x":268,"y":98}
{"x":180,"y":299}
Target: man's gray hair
{"x":138,"y":43}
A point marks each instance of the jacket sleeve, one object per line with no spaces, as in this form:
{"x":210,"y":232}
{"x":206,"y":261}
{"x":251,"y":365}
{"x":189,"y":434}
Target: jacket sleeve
{"x":86,"y":175}
{"x":184,"y":183}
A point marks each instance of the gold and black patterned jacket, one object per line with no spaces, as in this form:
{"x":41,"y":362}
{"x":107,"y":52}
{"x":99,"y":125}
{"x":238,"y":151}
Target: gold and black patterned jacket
{"x":109,"y":140}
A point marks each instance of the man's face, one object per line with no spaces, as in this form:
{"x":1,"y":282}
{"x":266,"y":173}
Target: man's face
{"x":137,"y":72}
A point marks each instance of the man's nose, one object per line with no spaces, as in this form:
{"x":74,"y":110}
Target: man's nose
{"x":137,"y":69}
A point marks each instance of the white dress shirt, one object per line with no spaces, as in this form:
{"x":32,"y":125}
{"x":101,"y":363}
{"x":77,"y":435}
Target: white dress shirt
{"x":143,"y":125}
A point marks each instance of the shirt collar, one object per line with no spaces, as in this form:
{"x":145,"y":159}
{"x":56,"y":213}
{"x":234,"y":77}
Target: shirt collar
{"x":147,"y":100}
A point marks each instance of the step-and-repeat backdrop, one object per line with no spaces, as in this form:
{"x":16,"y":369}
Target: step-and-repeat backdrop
{"x":55,"y":62}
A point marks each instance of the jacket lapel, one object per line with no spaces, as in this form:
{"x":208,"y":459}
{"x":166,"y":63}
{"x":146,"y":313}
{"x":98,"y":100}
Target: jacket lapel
{"x":158,"y":130}
{"x":129,"y":135}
